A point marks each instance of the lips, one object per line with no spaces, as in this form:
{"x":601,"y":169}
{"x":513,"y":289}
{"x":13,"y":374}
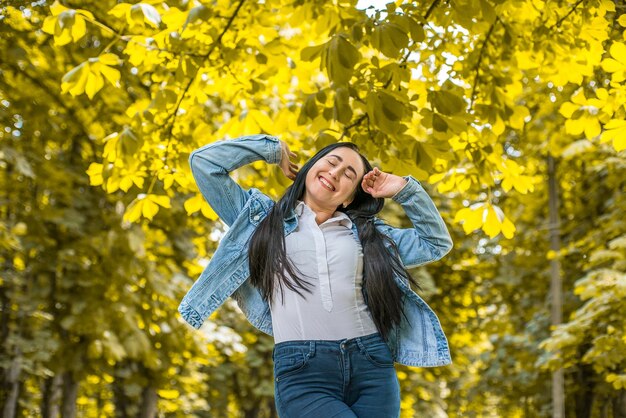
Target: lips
{"x":326,"y":183}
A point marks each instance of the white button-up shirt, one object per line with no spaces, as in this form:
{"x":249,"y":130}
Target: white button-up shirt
{"x":331,"y":259}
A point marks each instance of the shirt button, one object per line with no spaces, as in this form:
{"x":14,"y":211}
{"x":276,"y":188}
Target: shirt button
{"x":256,"y":217}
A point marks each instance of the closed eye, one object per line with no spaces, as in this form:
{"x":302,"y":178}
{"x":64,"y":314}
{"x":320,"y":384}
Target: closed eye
{"x":345,"y":172}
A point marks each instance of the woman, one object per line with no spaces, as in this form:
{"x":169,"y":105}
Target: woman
{"x":322,"y":274}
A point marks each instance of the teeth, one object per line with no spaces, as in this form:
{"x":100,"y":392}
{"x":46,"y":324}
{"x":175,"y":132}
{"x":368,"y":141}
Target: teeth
{"x":325,"y":183}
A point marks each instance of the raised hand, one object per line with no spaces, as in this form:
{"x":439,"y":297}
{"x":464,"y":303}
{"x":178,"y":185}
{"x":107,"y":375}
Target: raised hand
{"x":289,"y":169}
{"x":381,"y":184}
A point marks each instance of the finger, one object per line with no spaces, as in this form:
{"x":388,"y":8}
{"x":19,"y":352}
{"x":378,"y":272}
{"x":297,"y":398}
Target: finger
{"x":293,"y":154}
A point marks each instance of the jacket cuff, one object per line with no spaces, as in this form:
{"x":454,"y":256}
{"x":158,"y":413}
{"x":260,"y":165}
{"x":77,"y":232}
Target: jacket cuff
{"x":410,"y":188}
{"x":190,"y":315}
{"x":274,"y":151}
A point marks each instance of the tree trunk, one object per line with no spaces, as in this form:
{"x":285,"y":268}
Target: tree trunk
{"x":51,"y":395}
{"x":619,"y":404}
{"x":585,"y":393}
{"x":70,"y":392}
{"x":604,"y":412}
{"x":12,"y":386}
{"x":148,"y":403}
{"x":120,"y":399}
{"x":558,"y":396}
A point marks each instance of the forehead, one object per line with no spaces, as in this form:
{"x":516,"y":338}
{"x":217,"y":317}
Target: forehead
{"x":350,"y":157}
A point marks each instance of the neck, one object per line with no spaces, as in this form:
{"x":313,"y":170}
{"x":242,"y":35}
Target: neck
{"x":322,"y":214}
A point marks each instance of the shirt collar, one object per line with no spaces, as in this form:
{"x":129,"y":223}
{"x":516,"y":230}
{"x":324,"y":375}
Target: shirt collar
{"x":338,"y":216}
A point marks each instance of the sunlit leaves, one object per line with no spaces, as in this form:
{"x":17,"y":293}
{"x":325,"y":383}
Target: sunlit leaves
{"x":513,"y":177}
{"x":120,"y":145}
{"x":582,"y":114}
{"x":146,"y":206}
{"x":89,"y":76}
{"x":199,"y":13}
{"x":617,"y":64}
{"x":446,"y":102}
{"x":197,"y":203}
{"x":487,"y":217}
{"x":67,"y":25}
{"x":615,"y":132}
{"x":137,"y":14}
{"x":385,"y":110}
{"x":95,"y":174}
{"x":339,"y":58}
{"x":390,"y":39}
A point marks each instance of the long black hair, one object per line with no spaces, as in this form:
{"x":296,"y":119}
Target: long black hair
{"x":270,"y":266}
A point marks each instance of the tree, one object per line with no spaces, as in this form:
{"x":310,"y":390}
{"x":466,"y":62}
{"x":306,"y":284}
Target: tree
{"x":469,"y":96}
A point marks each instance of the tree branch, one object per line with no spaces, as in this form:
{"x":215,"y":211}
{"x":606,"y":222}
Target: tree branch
{"x":206,"y":56}
{"x":431,"y":9}
{"x":558,"y":23}
{"x":480,"y":58}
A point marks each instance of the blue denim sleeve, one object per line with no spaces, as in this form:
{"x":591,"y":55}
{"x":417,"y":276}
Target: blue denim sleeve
{"x":212,"y":163}
{"x":429,"y":239}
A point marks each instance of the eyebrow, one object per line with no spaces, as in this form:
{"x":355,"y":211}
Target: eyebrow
{"x":341,"y":159}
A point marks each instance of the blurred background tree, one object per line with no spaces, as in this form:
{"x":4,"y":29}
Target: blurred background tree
{"x":486,"y":102}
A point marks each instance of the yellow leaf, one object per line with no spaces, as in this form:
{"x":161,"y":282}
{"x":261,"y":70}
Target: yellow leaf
{"x":615,"y":130}
{"x":207,"y":211}
{"x":111,"y":74}
{"x":134,"y":210}
{"x":472,"y":218}
{"x":95,"y":174}
{"x":492,"y":225}
{"x":120,"y":10}
{"x":79,"y":28}
{"x":109,"y":59}
{"x":568,"y":108}
{"x":610,"y":65}
{"x":94,"y":84}
{"x":192,"y":205}
{"x":262,"y":120}
{"x":57,"y":8}
{"x":126,"y":183}
{"x":149,"y":208}
{"x":498,"y":127}
{"x":517,"y":120}
{"x":160,"y":200}
{"x":608,"y":5}
{"x":508,"y":229}
{"x":74,"y":81}
{"x":575,"y":126}
{"x":168,"y":393}
{"x":464,"y":184}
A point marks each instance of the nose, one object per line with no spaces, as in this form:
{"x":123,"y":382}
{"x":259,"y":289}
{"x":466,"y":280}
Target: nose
{"x":333,"y":172}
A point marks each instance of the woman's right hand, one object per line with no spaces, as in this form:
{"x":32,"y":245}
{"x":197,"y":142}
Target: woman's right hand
{"x":290,"y":169}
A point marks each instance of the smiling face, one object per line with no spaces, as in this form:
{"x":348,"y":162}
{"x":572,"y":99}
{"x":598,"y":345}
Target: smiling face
{"x":333,"y":179}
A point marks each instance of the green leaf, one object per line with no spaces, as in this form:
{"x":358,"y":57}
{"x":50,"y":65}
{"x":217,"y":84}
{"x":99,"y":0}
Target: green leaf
{"x":311,"y":53}
{"x":446,"y":102}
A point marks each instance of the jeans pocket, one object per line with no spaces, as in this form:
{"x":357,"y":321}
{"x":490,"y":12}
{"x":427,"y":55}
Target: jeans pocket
{"x":378,"y":354}
{"x":289,"y":361}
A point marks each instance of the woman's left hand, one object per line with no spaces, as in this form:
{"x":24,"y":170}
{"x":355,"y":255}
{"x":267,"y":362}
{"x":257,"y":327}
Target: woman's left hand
{"x":381,"y":184}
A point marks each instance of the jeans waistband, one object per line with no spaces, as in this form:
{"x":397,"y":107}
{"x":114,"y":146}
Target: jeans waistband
{"x":344,"y":343}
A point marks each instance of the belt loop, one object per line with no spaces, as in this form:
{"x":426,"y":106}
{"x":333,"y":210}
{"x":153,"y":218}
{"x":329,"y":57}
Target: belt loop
{"x":359,"y":343}
{"x":311,"y":348}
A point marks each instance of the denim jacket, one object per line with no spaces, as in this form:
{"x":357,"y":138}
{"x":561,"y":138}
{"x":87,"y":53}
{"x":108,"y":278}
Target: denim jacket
{"x":418,"y":341}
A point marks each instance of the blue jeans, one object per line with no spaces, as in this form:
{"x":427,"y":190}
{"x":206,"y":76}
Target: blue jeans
{"x":353,"y":377}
